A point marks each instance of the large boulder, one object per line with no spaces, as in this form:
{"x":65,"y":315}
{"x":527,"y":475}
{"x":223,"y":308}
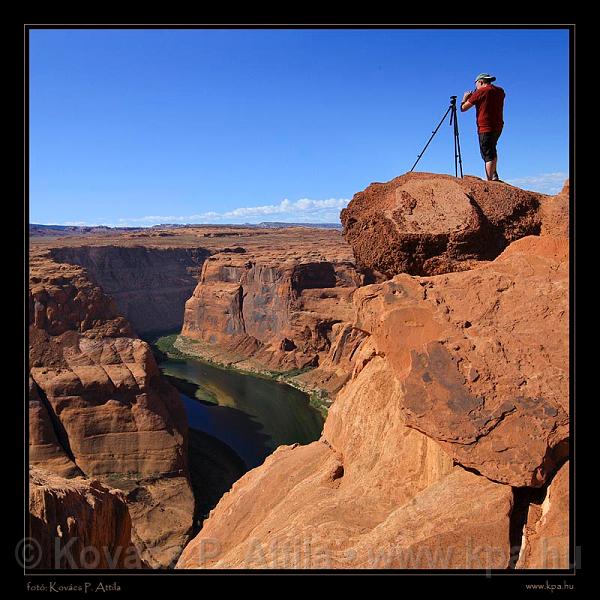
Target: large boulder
{"x":483,"y":357}
{"x":427,"y":224}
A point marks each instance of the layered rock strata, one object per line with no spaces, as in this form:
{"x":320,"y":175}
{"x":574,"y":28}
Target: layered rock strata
{"x":265,"y":314}
{"x":149,"y":285}
{"x":545,"y":543}
{"x":99,"y":406}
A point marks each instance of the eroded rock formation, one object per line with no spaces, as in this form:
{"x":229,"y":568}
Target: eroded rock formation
{"x":78,"y":523}
{"x":44,"y":446}
{"x":149,"y":285}
{"x":451,"y":380}
{"x":268,"y":313}
{"x":545,"y":543}
{"x":485,"y":378}
{"x":100,"y":408}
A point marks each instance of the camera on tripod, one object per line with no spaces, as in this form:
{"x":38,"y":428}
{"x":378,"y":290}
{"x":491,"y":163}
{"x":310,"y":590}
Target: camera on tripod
{"x":453,"y":121}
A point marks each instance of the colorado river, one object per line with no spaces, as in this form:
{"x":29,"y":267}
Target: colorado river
{"x":251,"y":415}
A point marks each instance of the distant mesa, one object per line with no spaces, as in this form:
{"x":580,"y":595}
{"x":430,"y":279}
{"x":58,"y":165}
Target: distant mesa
{"x":36,"y":229}
{"x":273,"y":224}
{"x":262,"y":225}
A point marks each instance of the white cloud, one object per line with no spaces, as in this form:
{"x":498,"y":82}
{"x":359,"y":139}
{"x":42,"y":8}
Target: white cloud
{"x":303,"y":210}
{"x":545,"y":183}
{"x":300,"y":208}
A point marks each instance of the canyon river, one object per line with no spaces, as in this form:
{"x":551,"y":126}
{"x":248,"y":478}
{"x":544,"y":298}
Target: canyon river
{"x":252,"y":415}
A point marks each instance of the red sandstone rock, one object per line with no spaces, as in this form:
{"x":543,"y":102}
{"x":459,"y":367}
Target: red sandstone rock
{"x":77,"y":523}
{"x":100,"y":407}
{"x":114,"y":408}
{"x":44,"y":446}
{"x":161,"y":509}
{"x":546,"y":536}
{"x":149,"y":285}
{"x":103,"y":389}
{"x":554,"y":212}
{"x":62,"y":298}
{"x":279,"y":313}
{"x":335,"y":369}
{"x":483,"y":358}
{"x":468,"y":368}
{"x":426,"y":224}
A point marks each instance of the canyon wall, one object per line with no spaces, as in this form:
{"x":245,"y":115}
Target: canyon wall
{"x":454,"y":420}
{"x":149,"y":285}
{"x":100,"y":408}
{"x":265,"y":312}
{"x":447,"y":444}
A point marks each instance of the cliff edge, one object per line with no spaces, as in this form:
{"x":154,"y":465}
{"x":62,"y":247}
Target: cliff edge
{"x":442,"y":449}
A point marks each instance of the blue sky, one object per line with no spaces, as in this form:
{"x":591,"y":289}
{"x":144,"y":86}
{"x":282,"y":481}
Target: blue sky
{"x":139,"y":127}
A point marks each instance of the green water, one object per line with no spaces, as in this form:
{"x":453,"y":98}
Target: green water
{"x":252,"y":415}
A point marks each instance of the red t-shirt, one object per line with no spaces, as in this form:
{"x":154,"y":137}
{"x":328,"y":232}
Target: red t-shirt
{"x":489,"y":101}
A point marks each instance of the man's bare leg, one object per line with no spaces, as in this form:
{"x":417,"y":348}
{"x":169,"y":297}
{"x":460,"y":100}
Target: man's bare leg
{"x":490,"y":169}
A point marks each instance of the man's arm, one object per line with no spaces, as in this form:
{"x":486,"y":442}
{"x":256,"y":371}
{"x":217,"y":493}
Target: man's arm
{"x":465,"y":104}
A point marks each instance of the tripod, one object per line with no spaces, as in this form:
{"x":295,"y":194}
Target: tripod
{"x":453,"y":121}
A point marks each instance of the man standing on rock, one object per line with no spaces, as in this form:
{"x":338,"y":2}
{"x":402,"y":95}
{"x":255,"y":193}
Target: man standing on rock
{"x":489,"y":100}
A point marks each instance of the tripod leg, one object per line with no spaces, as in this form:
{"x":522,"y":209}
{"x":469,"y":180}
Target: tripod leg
{"x":457,"y":145}
{"x":433,"y":134}
{"x":459,"y":154}
{"x":455,"y":154}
